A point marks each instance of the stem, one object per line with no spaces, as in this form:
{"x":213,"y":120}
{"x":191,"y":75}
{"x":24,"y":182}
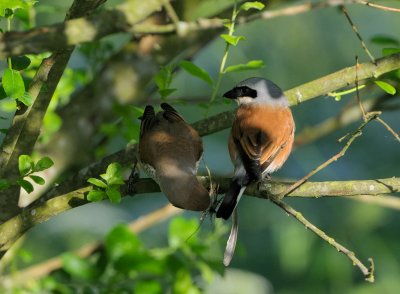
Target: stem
{"x":225,"y":57}
{"x":9,"y":29}
{"x":335,"y":94}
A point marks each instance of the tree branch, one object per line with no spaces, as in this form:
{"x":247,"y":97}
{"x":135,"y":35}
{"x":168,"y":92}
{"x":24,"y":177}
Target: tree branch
{"x":125,"y":18}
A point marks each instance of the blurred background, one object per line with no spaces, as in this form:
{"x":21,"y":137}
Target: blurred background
{"x":275,"y":253}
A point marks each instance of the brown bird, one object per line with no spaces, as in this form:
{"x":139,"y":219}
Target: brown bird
{"x":170,"y":151}
{"x":261,"y":137}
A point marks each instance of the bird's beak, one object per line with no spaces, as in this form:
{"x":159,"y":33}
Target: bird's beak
{"x":232,"y":94}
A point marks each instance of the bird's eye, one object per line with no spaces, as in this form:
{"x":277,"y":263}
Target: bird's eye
{"x":247,"y":92}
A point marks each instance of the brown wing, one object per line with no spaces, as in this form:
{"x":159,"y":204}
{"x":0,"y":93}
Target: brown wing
{"x":260,"y":135}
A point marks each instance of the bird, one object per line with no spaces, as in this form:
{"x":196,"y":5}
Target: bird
{"x":170,"y":151}
{"x":261,"y":136}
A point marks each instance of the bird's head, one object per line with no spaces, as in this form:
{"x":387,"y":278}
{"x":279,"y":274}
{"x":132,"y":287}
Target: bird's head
{"x":257,"y":90}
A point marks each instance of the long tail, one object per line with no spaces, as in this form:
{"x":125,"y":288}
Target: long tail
{"x":231,"y":199}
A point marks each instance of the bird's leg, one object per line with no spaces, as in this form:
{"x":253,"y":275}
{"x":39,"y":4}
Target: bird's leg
{"x":267,"y":177}
{"x":133,"y":178}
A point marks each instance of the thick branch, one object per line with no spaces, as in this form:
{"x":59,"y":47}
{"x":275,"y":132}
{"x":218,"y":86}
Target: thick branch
{"x":18,"y":225}
{"x":25,"y":130}
{"x":311,"y":90}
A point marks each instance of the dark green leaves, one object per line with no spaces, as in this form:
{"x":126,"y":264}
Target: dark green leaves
{"x":253,"y":64}
{"x":108,"y":186}
{"x":163,"y":81}
{"x":27,"y":167}
{"x":196,"y":71}
{"x":20,"y":62}
{"x":121,"y":241}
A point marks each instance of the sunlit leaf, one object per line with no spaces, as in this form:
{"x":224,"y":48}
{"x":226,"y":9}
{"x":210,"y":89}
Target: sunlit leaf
{"x":13,"y":83}
{"x":120,"y":241}
{"x":148,"y":287}
{"x":38,"y":180}
{"x":196,"y":71}
{"x":253,"y":64}
{"x":26,"y":99}
{"x":113,"y":175}
{"x":233,"y":40}
{"x":252,"y":5}
{"x":26,"y":185}
{"x":182,"y":230}
{"x":25,"y":164}
{"x":388,"y":88}
{"x":78,"y":267}
{"x":96,"y":195}
{"x":97,"y":182}
{"x":114,"y":195}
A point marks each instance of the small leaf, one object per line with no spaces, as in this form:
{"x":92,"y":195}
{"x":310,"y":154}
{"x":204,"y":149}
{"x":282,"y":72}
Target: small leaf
{"x":253,"y":64}
{"x":4,"y":184}
{"x":26,"y":185}
{"x":233,"y":40}
{"x":95,"y":195}
{"x":113,"y":175}
{"x":24,"y":164}
{"x":8,"y":105}
{"x":338,"y":98}
{"x":384,"y":40}
{"x":252,"y":5}
{"x":77,"y":266}
{"x":97,"y":182}
{"x":166,"y":92}
{"x":388,"y":88}
{"x":196,"y":71}
{"x":180,"y":229}
{"x":390,"y":51}
{"x":26,"y":99}
{"x":114,"y":195}
{"x":43,"y":163}
{"x":20,"y":62}
{"x":13,"y":83}
{"x":121,"y":241}
{"x":38,"y":180}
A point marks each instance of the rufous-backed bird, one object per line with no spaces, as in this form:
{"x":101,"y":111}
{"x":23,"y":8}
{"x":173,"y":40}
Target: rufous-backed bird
{"x":170,"y":151}
{"x":261,"y":137}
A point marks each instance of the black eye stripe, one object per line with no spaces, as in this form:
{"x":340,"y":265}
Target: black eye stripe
{"x":244,"y":91}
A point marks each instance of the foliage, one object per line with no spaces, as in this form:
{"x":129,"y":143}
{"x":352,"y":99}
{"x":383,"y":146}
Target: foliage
{"x":186,"y":265}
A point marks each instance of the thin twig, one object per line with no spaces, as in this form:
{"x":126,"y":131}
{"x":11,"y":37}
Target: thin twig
{"x":171,"y":12}
{"x":364,"y":114}
{"x":357,"y":33}
{"x":43,"y":269}
{"x":367,"y":272}
{"x":377,"y":6}
{"x":371,"y":116}
{"x":389,"y":128}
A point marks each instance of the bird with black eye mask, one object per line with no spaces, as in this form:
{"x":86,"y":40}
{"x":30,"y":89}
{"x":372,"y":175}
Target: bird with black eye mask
{"x":260,"y":141}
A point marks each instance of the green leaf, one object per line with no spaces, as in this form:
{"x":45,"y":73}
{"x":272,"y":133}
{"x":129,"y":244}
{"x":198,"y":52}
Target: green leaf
{"x":181,"y":231}
{"x":148,"y":287}
{"x":97,"y":182}
{"x":8,"y":105}
{"x":25,"y":164}
{"x":196,"y":71}
{"x":114,"y":195}
{"x":163,"y":78}
{"x":95,"y":195}
{"x":121,"y":241}
{"x":26,"y":99}
{"x":253,"y":64}
{"x":113,"y":175}
{"x":26,"y":185}
{"x":384,"y":40}
{"x":166,"y":92}
{"x":4,"y":184}
{"x":390,"y":51}
{"x":388,"y":88}
{"x":43,"y":163}
{"x":252,"y":5}
{"x":78,"y":267}
{"x":13,"y":83}
{"x":37,"y":179}
{"x":233,"y":40}
{"x":14,"y":4}
{"x":20,"y":62}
